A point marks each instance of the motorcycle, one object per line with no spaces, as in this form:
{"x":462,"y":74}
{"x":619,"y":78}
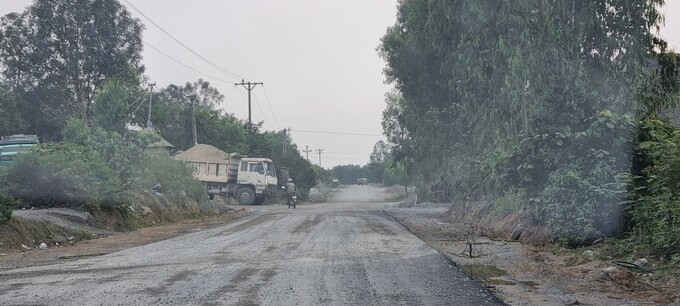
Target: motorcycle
{"x":292,"y":200}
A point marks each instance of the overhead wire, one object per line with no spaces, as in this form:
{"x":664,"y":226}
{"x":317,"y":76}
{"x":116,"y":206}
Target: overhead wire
{"x":185,"y":65}
{"x":264,"y":89}
{"x":211,"y":63}
{"x":336,"y":133}
{"x":246,"y":101}
{"x":41,"y":111}
{"x":257,"y":103}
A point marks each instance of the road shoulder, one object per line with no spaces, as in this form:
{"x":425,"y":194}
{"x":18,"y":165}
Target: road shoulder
{"x":528,"y":275}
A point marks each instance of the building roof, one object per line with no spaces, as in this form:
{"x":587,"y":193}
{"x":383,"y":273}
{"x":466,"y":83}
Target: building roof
{"x":161,"y":143}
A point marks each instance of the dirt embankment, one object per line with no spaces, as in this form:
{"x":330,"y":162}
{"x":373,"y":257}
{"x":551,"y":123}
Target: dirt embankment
{"x":72,"y":248}
{"x":533,"y":274}
{"x":56,"y":227}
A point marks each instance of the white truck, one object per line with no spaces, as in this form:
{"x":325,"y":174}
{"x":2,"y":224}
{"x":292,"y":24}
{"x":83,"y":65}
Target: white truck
{"x":248,"y":180}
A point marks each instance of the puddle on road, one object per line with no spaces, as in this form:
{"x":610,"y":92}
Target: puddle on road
{"x":486,"y":273}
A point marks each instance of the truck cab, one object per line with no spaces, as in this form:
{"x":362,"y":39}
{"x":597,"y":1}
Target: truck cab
{"x":260,"y":173}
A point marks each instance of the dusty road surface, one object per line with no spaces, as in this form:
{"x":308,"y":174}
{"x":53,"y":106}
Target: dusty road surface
{"x":341,"y":253}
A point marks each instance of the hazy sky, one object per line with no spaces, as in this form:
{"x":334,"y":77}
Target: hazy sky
{"x":317,"y":59}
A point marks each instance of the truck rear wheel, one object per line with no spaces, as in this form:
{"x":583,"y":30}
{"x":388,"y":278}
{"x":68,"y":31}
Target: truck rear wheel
{"x":245,"y":196}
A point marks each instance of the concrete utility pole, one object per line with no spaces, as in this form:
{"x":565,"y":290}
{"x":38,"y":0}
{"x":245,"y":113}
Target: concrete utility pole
{"x":307,"y":151}
{"x":320,"y":150}
{"x":148,"y":119}
{"x":284,"y":142}
{"x":248,"y":86}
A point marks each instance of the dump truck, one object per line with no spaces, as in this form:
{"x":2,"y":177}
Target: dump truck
{"x":10,"y":146}
{"x":248,"y":180}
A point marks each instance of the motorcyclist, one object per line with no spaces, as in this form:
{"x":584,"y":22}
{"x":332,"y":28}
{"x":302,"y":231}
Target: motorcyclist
{"x":291,"y":189}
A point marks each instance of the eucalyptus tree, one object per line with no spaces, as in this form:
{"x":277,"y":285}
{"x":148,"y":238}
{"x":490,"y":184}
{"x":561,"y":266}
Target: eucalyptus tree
{"x":501,"y":94}
{"x":67,"y":50}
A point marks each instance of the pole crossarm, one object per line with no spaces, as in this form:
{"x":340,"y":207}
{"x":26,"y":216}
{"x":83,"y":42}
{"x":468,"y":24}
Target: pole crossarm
{"x":249,"y":86}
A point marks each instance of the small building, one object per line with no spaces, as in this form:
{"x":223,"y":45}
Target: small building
{"x":159,"y":148}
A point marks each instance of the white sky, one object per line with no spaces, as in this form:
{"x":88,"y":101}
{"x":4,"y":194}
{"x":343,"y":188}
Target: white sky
{"x":317,"y":59}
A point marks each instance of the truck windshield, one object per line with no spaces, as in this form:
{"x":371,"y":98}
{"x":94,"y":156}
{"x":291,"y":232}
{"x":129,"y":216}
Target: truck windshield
{"x":271,"y":170}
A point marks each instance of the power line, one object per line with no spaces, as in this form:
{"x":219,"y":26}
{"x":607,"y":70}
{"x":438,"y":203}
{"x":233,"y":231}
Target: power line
{"x":337,"y":133}
{"x":344,"y":158}
{"x":44,"y":113}
{"x":347,"y":154}
{"x":270,"y":105}
{"x":261,"y":113}
{"x":185,"y":65}
{"x":225,"y":71}
{"x":257,"y":103}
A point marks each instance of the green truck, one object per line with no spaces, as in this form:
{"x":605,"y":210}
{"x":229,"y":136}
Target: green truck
{"x":10,"y":146}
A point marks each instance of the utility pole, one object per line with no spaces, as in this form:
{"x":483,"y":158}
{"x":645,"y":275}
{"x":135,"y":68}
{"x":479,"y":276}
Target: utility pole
{"x":284,"y":141}
{"x":320,"y":150}
{"x":248,"y":86}
{"x":307,"y":151}
{"x":148,"y":119}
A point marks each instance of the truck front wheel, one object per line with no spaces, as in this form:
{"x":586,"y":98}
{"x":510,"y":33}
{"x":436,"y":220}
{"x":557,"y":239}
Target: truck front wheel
{"x":245,"y":196}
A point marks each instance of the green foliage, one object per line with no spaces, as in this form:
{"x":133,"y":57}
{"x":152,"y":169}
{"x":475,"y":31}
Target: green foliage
{"x":119,"y":152}
{"x":57,"y":54}
{"x":525,"y":102}
{"x":655,"y":193}
{"x":174,"y":177}
{"x":11,"y":121}
{"x":395,"y":173}
{"x":348,"y":174}
{"x":6,"y":204}
{"x":512,"y":201}
{"x":64,"y":175}
{"x":576,"y":181}
{"x":111,"y":106}
{"x":322,"y":175}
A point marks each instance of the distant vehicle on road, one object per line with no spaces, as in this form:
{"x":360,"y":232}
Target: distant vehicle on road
{"x":10,"y":146}
{"x":362,"y":181}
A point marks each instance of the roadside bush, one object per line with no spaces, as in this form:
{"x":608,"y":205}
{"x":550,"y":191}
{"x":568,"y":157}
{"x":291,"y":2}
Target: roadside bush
{"x":121,"y":153}
{"x":174,"y":177}
{"x":512,"y":201}
{"x":63,"y":175}
{"x":655,"y":194}
{"x":576,"y":181}
{"x":6,"y":204}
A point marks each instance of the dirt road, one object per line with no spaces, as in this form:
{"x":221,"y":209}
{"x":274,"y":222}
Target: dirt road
{"x":341,"y":253}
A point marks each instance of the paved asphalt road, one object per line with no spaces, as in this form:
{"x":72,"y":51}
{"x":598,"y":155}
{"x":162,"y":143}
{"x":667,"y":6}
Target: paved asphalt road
{"x":341,"y":253}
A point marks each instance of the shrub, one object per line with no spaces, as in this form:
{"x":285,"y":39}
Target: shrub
{"x":173,"y":176}
{"x":64,"y":175}
{"x":6,"y":204}
{"x":576,"y":181}
{"x":512,"y":201}
{"x":655,"y":194}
